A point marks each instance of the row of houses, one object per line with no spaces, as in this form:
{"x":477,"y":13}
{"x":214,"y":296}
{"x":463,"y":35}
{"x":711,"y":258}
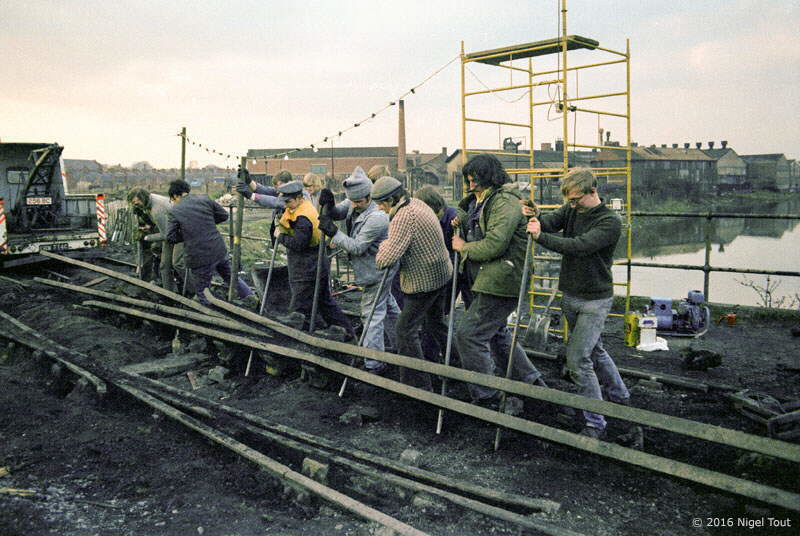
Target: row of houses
{"x":83,"y":175}
{"x":677,"y":171}
{"x":690,"y":170}
{"x":696,"y":170}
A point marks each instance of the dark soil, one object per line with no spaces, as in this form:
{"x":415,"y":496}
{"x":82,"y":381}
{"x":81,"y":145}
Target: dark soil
{"x":116,"y":467}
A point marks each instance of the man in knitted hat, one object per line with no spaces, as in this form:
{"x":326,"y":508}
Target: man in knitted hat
{"x":366,"y":227}
{"x":298,"y":231}
{"x":416,"y":242}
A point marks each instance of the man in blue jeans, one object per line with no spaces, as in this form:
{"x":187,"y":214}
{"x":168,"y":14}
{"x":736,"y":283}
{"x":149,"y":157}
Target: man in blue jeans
{"x":590,"y":233}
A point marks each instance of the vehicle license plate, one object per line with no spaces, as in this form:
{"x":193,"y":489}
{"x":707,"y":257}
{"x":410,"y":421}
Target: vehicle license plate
{"x":55,"y":247}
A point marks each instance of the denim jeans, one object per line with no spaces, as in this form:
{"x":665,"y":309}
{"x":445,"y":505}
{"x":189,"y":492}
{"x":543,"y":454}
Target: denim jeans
{"x":384,"y":320}
{"x":589,"y":365}
{"x":203,"y":274}
{"x":483,"y":342}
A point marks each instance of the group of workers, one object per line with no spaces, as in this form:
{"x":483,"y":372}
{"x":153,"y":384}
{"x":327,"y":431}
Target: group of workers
{"x":395,"y":239}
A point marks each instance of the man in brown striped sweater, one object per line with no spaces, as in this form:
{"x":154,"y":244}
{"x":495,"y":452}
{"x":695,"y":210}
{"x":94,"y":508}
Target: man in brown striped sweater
{"x":415,"y":241}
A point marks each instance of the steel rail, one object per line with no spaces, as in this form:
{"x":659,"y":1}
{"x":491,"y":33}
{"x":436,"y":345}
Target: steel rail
{"x":336,"y":459}
{"x":509,"y":499}
{"x":41,"y":344}
{"x":134,"y":281}
{"x":658,"y":464}
{"x":273,"y":467}
{"x":717,"y":434}
{"x":189,"y":315}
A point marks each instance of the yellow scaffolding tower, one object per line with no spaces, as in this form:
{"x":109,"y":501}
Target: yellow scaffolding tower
{"x":569,"y":107}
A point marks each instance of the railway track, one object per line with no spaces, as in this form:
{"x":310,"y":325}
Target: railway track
{"x":250,"y":330}
{"x":301,"y":447}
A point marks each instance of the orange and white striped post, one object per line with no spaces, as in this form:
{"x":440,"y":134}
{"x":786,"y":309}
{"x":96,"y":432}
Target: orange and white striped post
{"x":101,"y":218}
{"x":3,"y":230}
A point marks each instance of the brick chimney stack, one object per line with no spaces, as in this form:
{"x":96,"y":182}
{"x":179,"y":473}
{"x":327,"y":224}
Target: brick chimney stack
{"x":401,"y":137}
{"x":711,"y":145}
{"x":724,"y":144}
{"x":686,"y":145}
{"x":698,"y":144}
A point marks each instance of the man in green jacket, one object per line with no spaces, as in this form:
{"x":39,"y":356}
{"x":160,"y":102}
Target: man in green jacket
{"x":493,"y":255}
{"x":590,"y":233}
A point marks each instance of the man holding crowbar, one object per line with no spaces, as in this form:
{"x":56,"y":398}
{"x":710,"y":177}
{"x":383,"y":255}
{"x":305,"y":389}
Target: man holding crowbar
{"x":365,"y":228}
{"x":494,"y":255}
{"x":298,"y":231}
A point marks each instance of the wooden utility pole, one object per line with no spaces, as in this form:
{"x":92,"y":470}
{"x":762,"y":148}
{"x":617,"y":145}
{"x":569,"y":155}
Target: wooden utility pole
{"x":237,"y":237}
{"x":183,"y":154}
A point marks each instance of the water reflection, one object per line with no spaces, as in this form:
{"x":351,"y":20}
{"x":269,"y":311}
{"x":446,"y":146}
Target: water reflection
{"x":659,"y":236}
{"x":736,"y":243}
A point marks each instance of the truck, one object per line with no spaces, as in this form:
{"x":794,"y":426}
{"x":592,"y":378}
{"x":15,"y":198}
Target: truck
{"x":37,"y":212}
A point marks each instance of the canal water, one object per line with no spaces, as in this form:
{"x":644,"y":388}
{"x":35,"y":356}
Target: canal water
{"x":736,"y":243}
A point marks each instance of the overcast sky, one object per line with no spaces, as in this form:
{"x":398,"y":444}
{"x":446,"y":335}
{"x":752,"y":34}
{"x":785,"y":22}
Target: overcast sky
{"x":115,"y":82}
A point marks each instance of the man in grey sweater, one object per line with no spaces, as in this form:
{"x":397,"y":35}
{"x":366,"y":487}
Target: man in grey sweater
{"x":366,"y":226}
{"x":590,"y":233}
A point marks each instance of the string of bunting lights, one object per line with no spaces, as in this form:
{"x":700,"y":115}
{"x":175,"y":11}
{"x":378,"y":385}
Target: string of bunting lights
{"x":338,"y":134}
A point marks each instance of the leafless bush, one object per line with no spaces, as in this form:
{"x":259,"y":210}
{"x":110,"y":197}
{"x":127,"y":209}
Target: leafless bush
{"x":767,"y":294}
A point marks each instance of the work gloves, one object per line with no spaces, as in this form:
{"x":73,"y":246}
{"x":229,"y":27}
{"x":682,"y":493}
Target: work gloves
{"x":244,"y":189}
{"x":326,"y":198}
{"x":326,"y":225}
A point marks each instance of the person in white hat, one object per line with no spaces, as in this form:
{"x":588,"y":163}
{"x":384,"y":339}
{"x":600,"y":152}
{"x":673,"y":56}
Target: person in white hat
{"x":366,"y":226}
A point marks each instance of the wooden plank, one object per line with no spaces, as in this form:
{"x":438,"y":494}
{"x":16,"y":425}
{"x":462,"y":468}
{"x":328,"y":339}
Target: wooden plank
{"x":273,"y":467}
{"x":95,"y":281}
{"x":651,"y":462}
{"x":56,"y":274}
{"x":168,"y":366}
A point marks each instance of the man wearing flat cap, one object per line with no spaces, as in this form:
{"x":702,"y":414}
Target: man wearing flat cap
{"x":416,"y":242}
{"x":299,"y":232}
{"x":366,"y":227}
